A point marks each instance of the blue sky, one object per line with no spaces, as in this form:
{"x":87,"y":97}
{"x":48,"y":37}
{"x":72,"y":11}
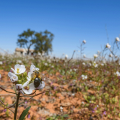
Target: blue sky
{"x":71,"y":22}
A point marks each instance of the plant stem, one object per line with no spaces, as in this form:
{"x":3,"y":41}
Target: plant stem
{"x":15,"y":114}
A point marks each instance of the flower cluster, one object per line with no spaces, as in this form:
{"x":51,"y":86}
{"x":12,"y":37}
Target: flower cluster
{"x":117,"y":73}
{"x":24,"y":82}
{"x":84,"y":77}
{"x":94,"y":64}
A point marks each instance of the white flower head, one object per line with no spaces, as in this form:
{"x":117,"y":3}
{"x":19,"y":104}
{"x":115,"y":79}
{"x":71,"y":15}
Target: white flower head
{"x":75,"y":69}
{"x":45,"y":64}
{"x":102,"y":64}
{"x":82,"y":102}
{"x":13,"y":77}
{"x":66,"y":56}
{"x":19,"y":69}
{"x":83,"y":63}
{"x":1,"y":62}
{"x":33,"y":68}
{"x":94,"y":64}
{"x":19,"y":61}
{"x":117,"y":39}
{"x":28,"y":85}
{"x":84,"y":56}
{"x":108,"y":46}
{"x":61,"y":108}
{"x":84,"y":41}
{"x":52,"y":66}
{"x":117,"y":73}
{"x":110,"y":55}
{"x":84,"y":77}
{"x":28,"y":88}
{"x":95,"y":55}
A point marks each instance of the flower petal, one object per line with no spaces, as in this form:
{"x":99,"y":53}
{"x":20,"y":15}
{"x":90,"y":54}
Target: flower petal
{"x":13,"y":77}
{"x":31,"y":88}
{"x":17,"y":66}
{"x":26,"y":83}
{"x":32,"y":68}
{"x":27,"y":91}
{"x":22,"y":70}
{"x":13,"y":70}
{"x":29,"y":74}
{"x":37,"y":69}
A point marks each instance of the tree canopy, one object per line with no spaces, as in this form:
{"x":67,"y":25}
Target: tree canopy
{"x":42,"y":41}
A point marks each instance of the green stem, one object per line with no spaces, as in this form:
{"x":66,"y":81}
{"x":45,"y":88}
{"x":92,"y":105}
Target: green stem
{"x":15,"y":114}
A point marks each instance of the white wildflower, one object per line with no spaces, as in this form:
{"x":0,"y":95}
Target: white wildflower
{"x":84,"y":41}
{"x":61,"y":109}
{"x":66,"y":56}
{"x":102,"y":64}
{"x":83,"y":63}
{"x":19,"y":69}
{"x":33,"y":68}
{"x":13,"y":77}
{"x":117,"y":39}
{"x":84,"y":77}
{"x":117,"y":73}
{"x":95,"y":55}
{"x":1,"y":62}
{"x":84,"y":56}
{"x":45,"y":64}
{"x":110,"y":55}
{"x":94,"y":64}
{"x":19,"y":61}
{"x":108,"y":46}
{"x":82,"y":102}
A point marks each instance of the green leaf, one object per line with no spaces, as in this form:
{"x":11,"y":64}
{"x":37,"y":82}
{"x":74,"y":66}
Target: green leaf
{"x":86,"y":88}
{"x":24,"y":113}
{"x":65,"y":115}
{"x":119,"y":103}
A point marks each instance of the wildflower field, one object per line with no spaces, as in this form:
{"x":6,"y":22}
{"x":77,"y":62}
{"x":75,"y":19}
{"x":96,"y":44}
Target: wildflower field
{"x":71,"y":89}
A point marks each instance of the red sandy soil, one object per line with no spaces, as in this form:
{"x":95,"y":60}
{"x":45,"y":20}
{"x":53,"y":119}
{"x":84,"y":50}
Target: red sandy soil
{"x":49,"y":105}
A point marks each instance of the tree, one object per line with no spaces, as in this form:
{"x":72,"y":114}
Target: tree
{"x":44,"y":42}
{"x":25,"y":40}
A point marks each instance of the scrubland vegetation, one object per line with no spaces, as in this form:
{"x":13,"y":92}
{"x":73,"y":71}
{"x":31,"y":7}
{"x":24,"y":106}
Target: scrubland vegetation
{"x":75,"y":89}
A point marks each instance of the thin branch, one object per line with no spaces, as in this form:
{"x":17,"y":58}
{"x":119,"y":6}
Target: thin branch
{"x":28,"y":95}
{"x":6,"y":90}
{"x":5,"y":107}
{"x":33,"y":95}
